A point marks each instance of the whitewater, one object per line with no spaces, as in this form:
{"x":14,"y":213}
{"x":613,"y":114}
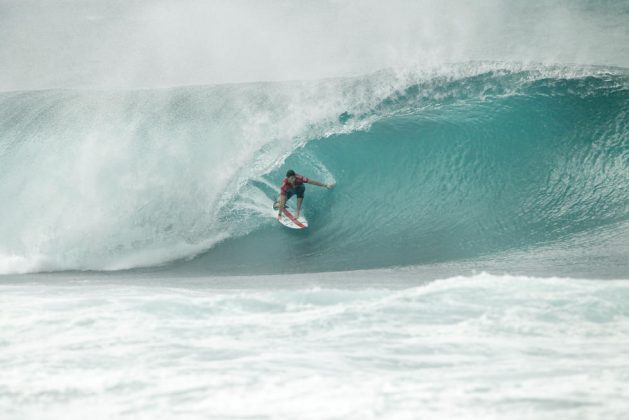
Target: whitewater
{"x":472,"y":261}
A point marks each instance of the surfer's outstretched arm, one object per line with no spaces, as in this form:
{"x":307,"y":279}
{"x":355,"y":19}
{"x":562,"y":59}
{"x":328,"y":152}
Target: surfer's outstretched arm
{"x":321,"y":184}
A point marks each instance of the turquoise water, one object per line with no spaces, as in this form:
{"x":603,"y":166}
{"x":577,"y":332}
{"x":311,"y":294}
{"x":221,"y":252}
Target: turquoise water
{"x":472,"y":261}
{"x":429,"y":169}
{"x":481,"y":172}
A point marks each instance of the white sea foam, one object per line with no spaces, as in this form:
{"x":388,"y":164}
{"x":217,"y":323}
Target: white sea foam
{"x":467,"y":347}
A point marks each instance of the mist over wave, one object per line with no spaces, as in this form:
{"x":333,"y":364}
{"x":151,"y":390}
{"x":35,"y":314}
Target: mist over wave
{"x":161,"y":43}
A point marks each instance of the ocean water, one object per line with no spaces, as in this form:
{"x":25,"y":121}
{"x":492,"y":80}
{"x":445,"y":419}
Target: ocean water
{"x":483,"y":346}
{"x":472,"y":261}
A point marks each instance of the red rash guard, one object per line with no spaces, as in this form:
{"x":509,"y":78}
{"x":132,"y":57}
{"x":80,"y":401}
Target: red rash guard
{"x":299,"y":180}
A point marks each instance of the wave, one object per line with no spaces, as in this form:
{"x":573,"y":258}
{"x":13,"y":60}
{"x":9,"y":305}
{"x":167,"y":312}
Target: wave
{"x":434,"y":166}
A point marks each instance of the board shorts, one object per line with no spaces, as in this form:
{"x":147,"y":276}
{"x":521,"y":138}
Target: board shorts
{"x":298,"y":191}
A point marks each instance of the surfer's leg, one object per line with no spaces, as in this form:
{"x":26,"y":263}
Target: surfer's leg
{"x":289,"y":194}
{"x":300,"y":198}
{"x":281,"y":201}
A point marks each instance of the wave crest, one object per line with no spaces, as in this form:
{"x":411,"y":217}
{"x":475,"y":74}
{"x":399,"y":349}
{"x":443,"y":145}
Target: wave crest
{"x":110,"y":180}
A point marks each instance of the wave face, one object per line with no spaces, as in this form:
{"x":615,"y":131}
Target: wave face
{"x":457,"y":163}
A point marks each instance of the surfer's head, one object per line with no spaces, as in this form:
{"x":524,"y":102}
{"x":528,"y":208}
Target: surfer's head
{"x":290,"y":175}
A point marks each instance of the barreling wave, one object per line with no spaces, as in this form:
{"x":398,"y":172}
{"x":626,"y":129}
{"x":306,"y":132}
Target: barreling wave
{"x":431,"y":166}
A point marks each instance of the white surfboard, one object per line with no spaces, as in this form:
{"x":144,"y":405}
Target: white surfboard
{"x":290,"y":221}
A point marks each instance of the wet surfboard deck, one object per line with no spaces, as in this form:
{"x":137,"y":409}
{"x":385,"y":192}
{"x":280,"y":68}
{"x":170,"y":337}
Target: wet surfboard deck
{"x":289,"y":220}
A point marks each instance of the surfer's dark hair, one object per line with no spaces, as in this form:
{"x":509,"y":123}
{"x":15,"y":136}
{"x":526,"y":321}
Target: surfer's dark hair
{"x":290,"y":173}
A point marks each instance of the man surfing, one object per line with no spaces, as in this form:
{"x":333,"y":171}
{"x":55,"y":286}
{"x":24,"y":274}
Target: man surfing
{"x":293,"y":184}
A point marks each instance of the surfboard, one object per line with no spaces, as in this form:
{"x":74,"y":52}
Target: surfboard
{"x":290,"y":221}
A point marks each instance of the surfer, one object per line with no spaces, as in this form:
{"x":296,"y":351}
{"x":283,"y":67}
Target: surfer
{"x":293,"y":184}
